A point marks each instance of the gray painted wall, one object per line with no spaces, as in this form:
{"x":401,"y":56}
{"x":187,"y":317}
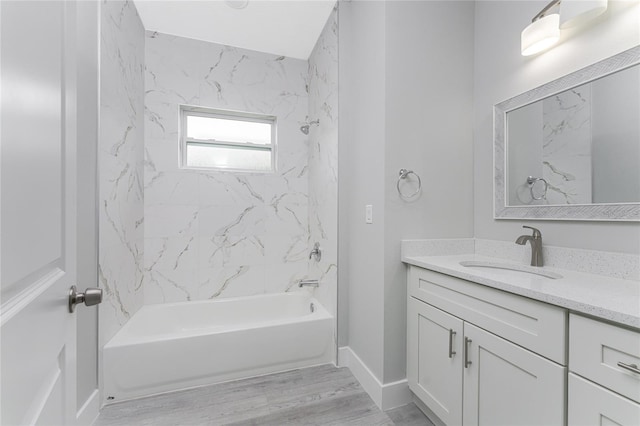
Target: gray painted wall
{"x":361,"y":163}
{"x":616,"y":138}
{"x":405,"y":101}
{"x":500,"y":72}
{"x":429,"y":86}
{"x":345,"y":133}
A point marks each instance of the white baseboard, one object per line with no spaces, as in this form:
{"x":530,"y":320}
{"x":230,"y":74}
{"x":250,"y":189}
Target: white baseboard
{"x":90,"y":410}
{"x":368,"y":381}
{"x":386,"y":396}
{"x":396,"y":394}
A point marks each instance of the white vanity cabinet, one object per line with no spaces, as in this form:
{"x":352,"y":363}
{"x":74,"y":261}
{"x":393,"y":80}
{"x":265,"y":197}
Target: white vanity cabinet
{"x":604,"y":378}
{"x":434,"y":368}
{"x":482,"y":356}
{"x":505,"y":384}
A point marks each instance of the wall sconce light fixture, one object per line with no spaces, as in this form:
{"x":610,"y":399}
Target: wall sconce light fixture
{"x":544,"y":29}
{"x":577,"y":12}
{"x":237,"y":4}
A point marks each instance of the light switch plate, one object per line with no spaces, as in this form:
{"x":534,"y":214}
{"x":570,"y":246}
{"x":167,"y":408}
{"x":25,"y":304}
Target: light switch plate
{"x":368,"y":213}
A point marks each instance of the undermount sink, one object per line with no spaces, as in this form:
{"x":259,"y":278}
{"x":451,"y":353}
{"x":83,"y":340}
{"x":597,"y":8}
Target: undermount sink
{"x":511,"y":267}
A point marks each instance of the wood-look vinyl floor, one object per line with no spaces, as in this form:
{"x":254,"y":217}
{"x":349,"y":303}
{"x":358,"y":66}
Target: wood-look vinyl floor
{"x":323,"y":395}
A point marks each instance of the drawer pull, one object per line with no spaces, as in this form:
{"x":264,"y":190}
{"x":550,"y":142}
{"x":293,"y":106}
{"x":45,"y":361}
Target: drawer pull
{"x":451,"y":351}
{"x":630,"y":367}
{"x":467,"y":342}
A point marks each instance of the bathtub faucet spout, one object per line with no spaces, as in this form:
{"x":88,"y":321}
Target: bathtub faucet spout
{"x":308,"y":283}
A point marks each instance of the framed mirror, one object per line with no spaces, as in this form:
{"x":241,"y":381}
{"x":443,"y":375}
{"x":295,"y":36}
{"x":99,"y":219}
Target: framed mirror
{"x":570,"y":149}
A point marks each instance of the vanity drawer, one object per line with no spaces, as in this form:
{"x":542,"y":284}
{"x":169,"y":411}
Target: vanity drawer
{"x":534,"y":325}
{"x":590,"y":404}
{"x":596,"y":348}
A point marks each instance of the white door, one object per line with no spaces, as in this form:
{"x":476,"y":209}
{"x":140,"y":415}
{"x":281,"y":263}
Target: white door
{"x":38,"y":212}
{"x":434,"y":360}
{"x":505,"y":384}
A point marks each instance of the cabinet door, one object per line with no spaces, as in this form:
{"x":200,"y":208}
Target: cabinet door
{"x":434,"y":360}
{"x":590,"y":404}
{"x":505,"y":384}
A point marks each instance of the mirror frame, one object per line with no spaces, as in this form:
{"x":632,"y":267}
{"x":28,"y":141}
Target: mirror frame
{"x":599,"y":212}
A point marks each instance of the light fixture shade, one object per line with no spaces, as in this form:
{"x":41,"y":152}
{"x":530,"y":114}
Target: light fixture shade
{"x":540,"y":34}
{"x":577,"y":12}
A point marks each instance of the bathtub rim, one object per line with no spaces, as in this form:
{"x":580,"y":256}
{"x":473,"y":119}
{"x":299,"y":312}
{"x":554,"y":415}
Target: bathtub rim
{"x":125,"y":338}
{"x":297,"y":293}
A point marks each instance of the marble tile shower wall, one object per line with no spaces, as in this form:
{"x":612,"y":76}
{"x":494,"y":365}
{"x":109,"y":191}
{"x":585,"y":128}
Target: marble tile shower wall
{"x":323,"y":160}
{"x":121,"y":156}
{"x":215,"y":234}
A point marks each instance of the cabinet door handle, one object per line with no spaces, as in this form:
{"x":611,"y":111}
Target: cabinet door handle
{"x":467,"y":342}
{"x":630,"y":367}
{"x":451,"y":351}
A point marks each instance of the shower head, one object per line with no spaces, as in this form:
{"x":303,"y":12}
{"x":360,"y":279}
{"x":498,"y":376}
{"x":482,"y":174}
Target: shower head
{"x":305,"y":127}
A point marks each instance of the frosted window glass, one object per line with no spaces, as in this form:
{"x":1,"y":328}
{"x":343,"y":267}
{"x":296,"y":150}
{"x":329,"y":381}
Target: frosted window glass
{"x":226,"y":140}
{"x":199,"y":155}
{"x":219,"y":129}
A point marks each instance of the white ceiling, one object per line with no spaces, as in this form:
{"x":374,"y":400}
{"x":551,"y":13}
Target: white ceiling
{"x":289,"y":28}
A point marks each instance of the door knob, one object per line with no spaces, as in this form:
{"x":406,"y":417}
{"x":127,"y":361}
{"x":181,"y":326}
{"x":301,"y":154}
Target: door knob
{"x":90,"y":297}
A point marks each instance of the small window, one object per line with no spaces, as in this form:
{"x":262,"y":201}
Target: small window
{"x":214,"y":139}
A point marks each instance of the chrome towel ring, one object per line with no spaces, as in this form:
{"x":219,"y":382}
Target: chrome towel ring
{"x":402,"y":175}
{"x":532,"y":182}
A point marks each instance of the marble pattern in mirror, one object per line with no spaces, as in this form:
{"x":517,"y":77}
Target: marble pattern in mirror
{"x":564,"y":145}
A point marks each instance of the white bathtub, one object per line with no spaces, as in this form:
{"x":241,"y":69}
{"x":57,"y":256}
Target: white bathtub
{"x":180,"y":345}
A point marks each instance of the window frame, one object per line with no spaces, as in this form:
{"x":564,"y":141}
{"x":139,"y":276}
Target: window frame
{"x":197,"y":111}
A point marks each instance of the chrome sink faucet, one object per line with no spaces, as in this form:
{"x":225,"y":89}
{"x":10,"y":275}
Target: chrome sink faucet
{"x":536,"y":245}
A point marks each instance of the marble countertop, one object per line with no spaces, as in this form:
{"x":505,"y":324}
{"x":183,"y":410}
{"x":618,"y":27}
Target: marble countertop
{"x":608,"y":298}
